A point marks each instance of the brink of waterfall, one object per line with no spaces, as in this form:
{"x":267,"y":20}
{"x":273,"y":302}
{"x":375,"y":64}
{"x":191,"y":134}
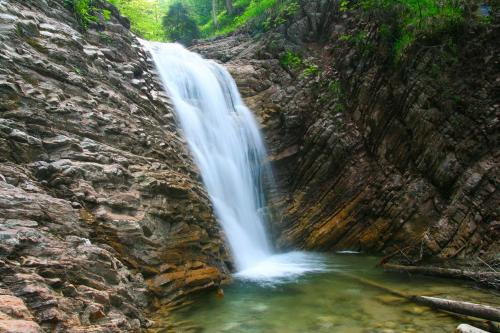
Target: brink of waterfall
{"x":228,"y":148}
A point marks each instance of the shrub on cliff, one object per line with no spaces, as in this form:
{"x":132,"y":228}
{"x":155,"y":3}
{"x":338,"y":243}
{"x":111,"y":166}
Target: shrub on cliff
{"x":86,"y":11}
{"x":83,"y":11}
{"x":406,"y":21}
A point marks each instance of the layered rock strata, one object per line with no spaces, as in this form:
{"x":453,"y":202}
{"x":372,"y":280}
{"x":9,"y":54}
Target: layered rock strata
{"x":102,"y":211}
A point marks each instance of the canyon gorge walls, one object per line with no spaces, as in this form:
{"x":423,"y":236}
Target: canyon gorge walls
{"x":103,"y":214}
{"x":370,"y":153}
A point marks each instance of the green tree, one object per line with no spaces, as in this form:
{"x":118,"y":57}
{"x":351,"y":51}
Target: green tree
{"x":179,"y":25}
{"x":214,"y":13}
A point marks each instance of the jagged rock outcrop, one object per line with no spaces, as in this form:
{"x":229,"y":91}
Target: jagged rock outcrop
{"x":102,"y":211}
{"x":370,"y":155}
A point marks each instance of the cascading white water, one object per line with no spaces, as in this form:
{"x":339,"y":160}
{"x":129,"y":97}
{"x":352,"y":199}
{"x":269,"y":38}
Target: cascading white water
{"x":225,"y":141}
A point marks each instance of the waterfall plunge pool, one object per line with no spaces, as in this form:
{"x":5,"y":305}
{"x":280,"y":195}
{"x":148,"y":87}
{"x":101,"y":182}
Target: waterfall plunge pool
{"x":324,"y":300}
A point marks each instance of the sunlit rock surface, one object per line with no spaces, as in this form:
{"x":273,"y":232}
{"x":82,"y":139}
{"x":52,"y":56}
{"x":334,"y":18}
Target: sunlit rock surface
{"x":102,"y":212}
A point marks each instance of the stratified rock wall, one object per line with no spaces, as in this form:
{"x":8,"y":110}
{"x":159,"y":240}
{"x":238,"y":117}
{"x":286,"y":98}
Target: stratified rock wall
{"x":369,"y":154}
{"x":101,"y":207}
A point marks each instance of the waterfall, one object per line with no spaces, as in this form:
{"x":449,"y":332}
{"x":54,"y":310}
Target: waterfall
{"x":227,"y":146}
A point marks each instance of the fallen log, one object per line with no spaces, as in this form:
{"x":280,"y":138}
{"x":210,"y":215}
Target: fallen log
{"x":452,"y":307}
{"x":465,"y":308}
{"x":492,"y":278}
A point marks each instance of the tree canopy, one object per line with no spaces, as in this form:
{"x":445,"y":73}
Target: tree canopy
{"x":211,"y":17}
{"x":185,"y":20}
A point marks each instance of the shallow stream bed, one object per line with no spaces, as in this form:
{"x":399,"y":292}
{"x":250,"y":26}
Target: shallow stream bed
{"x":326,"y":301}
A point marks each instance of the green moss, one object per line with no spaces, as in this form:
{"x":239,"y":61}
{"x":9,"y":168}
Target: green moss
{"x":36,"y":45}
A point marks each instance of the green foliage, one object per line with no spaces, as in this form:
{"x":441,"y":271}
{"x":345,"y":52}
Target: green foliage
{"x":360,"y":40}
{"x":406,"y":21}
{"x":257,"y":15}
{"x":402,"y":44}
{"x":284,"y":13}
{"x":77,"y":70}
{"x":83,"y":11}
{"x":311,"y":70}
{"x":179,"y":26}
{"x":291,"y":60}
{"x":106,"y":14}
{"x":335,"y":88}
{"x":145,"y":16}
{"x":344,"y":5}
{"x":345,"y":37}
{"x":339,"y":107}
{"x":294,"y":62}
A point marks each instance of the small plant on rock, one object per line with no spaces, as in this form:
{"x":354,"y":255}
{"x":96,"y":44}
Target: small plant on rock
{"x":83,"y":11}
{"x":311,"y":70}
{"x":335,"y":88}
{"x":291,"y":60}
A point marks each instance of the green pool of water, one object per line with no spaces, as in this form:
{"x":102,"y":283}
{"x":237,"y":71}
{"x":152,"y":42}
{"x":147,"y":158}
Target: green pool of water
{"x":328,"y":301}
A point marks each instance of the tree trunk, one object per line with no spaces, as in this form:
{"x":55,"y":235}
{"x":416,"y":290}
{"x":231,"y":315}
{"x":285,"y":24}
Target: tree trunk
{"x":214,"y":14}
{"x":229,"y":7}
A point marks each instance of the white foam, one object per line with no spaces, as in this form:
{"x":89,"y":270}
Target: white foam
{"x":283,"y":267}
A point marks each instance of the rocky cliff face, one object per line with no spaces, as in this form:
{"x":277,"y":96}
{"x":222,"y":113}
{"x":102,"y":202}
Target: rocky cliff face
{"x":371,"y":155}
{"x":102,"y":213}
